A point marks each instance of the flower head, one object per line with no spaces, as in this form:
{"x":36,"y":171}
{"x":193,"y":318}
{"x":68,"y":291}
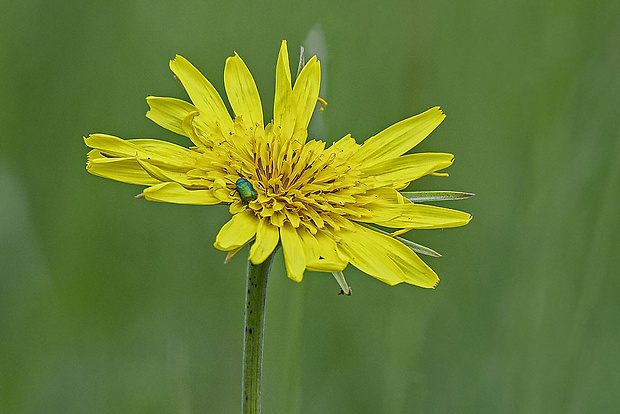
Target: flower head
{"x":319,"y":203}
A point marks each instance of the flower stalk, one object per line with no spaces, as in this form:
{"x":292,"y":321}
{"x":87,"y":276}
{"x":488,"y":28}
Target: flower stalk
{"x":253,"y":334}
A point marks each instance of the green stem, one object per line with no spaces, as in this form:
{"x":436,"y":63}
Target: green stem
{"x":255,"y":299}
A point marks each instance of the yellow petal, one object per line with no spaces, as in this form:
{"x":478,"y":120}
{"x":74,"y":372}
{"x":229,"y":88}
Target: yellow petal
{"x":242,"y":92}
{"x":327,"y":266}
{"x":166,"y":176}
{"x":237,"y":232}
{"x":310,"y":245}
{"x":166,"y":154}
{"x":267,"y":238}
{"x":385,"y":258}
{"x":306,"y":92}
{"x":294,"y":256}
{"x":161,"y":153}
{"x":169,"y":113}
{"x":399,"y":138}
{"x":401,"y":171}
{"x":421,"y":216}
{"x":126,"y":170}
{"x":204,"y":96}
{"x":194,"y":128}
{"x":176,"y":193}
{"x":283,"y":111}
{"x":329,"y":247}
{"x":384,"y":205}
{"x":111,"y":145}
{"x":321,"y":252}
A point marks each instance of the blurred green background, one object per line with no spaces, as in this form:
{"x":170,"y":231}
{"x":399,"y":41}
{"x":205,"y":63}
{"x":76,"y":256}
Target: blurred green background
{"x":114,"y":305}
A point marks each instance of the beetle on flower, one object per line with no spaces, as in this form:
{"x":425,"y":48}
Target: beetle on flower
{"x":321,"y":203}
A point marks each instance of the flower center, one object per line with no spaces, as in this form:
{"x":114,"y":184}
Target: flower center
{"x":288,"y":180}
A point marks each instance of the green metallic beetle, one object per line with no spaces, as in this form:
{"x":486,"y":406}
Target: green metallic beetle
{"x":246,"y":191}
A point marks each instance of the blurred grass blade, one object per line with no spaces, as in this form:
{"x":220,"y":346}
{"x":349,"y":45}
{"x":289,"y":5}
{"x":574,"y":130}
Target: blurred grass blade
{"x":425,"y":196}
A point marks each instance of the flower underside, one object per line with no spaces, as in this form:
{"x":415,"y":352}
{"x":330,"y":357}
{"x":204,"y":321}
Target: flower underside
{"x":316,"y":201}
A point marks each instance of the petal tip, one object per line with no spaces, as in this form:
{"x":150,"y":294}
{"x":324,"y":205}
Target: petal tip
{"x":440,"y":113}
{"x":178,"y":60}
{"x":296,"y":278}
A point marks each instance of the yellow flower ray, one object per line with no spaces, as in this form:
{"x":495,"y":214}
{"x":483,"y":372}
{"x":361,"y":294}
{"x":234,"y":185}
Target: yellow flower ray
{"x":242,"y":92}
{"x":204,"y":96}
{"x":311,"y":199}
{"x":169,"y":113}
{"x":267,"y":238}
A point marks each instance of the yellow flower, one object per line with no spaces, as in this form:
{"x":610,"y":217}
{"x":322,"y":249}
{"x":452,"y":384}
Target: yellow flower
{"x":317,"y":202}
